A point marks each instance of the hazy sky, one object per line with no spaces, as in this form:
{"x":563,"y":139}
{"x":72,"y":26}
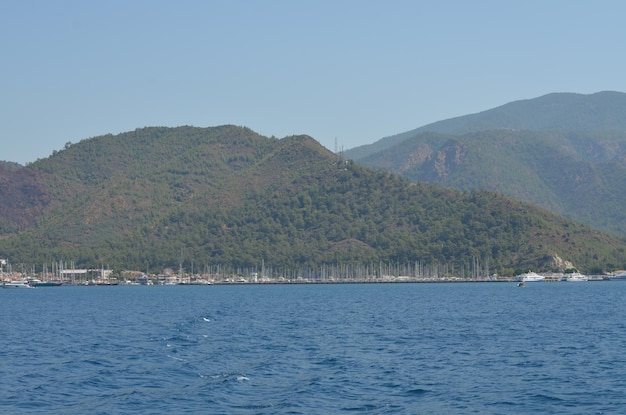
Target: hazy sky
{"x":355,"y":70}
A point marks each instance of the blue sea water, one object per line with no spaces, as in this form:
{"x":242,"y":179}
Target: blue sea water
{"x":459,"y":348}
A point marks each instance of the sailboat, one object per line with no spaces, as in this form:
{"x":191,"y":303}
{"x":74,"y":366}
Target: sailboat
{"x":47,"y":282}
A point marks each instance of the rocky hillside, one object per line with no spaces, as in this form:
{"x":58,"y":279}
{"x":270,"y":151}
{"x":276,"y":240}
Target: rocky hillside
{"x":564,"y":152}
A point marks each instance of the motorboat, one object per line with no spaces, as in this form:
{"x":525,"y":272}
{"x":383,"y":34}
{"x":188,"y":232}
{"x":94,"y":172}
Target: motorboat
{"x":16,"y":284}
{"x":530,"y":277}
{"x":576,"y":277}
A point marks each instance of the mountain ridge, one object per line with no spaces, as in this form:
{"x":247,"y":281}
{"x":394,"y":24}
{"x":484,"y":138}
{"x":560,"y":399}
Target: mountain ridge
{"x":514,"y":116}
{"x":226,"y":195}
{"x":575,"y":169}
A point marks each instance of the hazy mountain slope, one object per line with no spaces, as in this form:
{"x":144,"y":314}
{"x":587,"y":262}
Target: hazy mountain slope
{"x":582,"y":179}
{"x":602,"y":111}
{"x":556,"y":111}
{"x":565,"y":152}
{"x":225,"y":195}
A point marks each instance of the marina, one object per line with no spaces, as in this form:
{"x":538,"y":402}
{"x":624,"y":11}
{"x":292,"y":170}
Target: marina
{"x":64,"y":273}
{"x":142,"y":279}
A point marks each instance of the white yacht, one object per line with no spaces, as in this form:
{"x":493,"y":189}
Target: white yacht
{"x":576,"y":277}
{"x":16,"y":284}
{"x":530,"y":277}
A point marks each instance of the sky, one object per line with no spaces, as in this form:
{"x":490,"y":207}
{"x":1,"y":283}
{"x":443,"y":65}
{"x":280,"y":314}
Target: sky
{"x":346,"y":72}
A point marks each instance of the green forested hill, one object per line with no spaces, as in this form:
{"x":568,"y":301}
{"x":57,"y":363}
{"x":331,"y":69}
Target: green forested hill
{"x":24,"y":197}
{"x":564,"y":152}
{"x":225,"y":195}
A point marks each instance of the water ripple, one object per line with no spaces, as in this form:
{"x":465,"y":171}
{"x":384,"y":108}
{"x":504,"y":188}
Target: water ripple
{"x":392,"y":349}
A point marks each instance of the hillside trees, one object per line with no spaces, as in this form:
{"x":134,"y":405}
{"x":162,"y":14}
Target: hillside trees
{"x":226,"y":195}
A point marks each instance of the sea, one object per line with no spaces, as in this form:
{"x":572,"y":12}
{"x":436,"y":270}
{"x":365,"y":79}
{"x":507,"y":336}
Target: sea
{"x":403,"y":348}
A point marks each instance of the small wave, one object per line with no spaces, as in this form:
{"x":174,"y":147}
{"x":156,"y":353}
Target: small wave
{"x":226,"y":377}
{"x":546,"y":398}
{"x":362,"y":408}
{"x":416,"y":392}
{"x":506,"y":403}
{"x":206,"y":319}
{"x":175,"y":358}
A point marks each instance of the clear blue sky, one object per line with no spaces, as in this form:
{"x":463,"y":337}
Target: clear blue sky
{"x":355,"y":70}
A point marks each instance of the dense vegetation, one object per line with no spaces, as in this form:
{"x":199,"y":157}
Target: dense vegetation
{"x":156,"y":197}
{"x":564,"y":152}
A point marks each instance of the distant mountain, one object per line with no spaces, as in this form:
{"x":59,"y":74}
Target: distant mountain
{"x":157,"y":197}
{"x":602,"y":111}
{"x":565,"y":152}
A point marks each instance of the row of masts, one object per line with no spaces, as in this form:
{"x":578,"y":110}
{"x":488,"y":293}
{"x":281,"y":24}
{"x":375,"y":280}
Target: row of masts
{"x":477,"y":269}
{"x":56,"y":271}
{"x":415,"y":270}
